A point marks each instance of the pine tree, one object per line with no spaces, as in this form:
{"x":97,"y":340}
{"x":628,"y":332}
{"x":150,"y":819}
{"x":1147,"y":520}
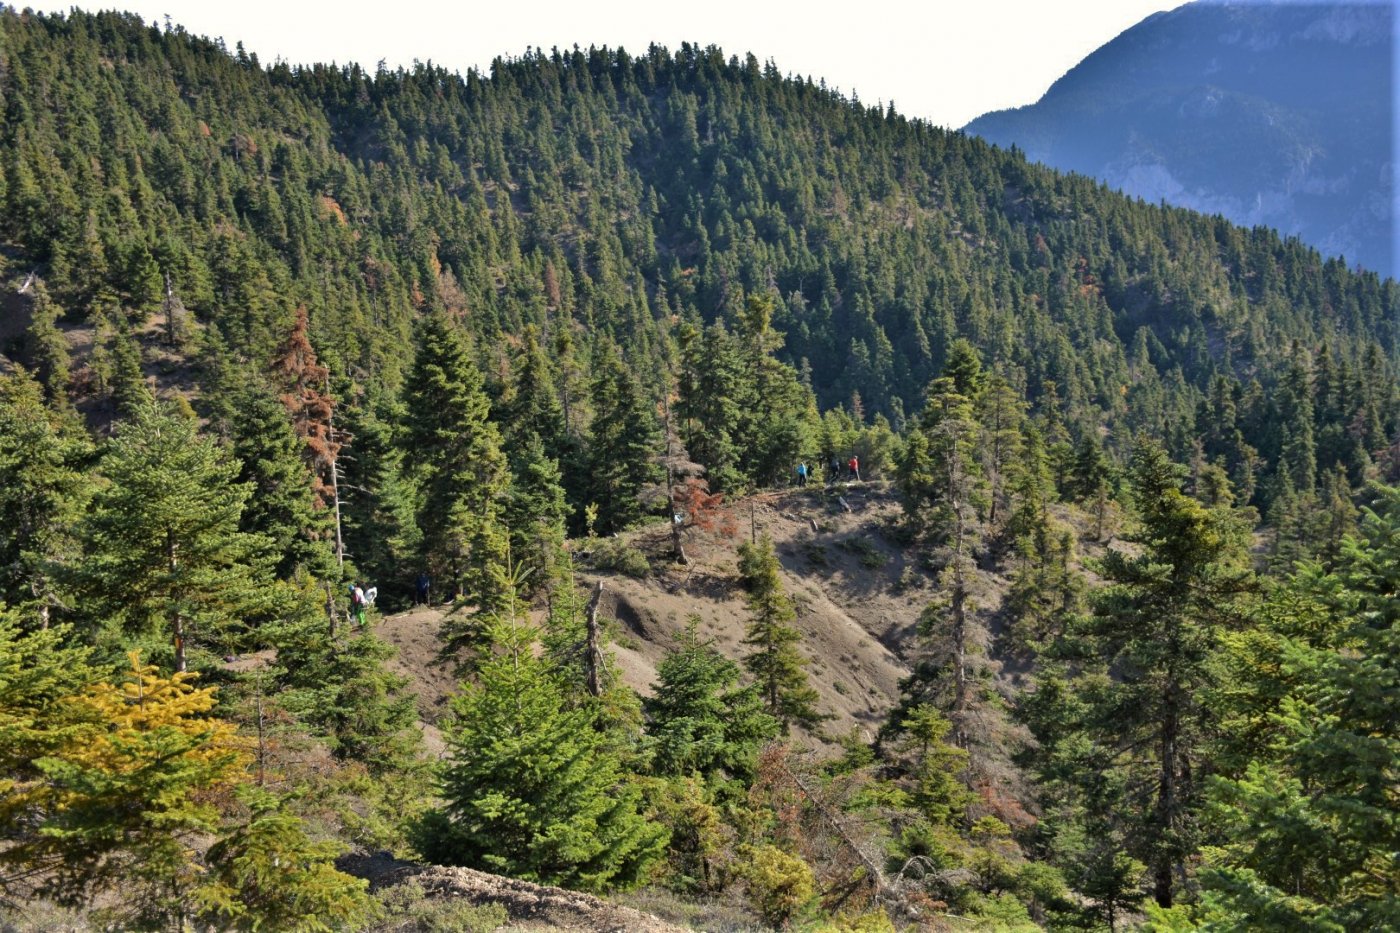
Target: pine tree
{"x":1298,"y":453}
{"x":39,"y":671}
{"x":46,"y":347}
{"x":1000,"y":412}
{"x":622,"y":454}
{"x":340,"y":688}
{"x":163,"y":546}
{"x":776,"y":410}
{"x":129,"y":388}
{"x":536,"y":512}
{"x":282,"y":506}
{"x":305,"y":386}
{"x":777,"y":666}
{"x":381,"y":502}
{"x":454,"y":451}
{"x":1159,"y":623}
{"x":708,"y":404}
{"x":42,"y":494}
{"x":530,"y":789}
{"x":267,"y":873}
{"x":1307,"y":819}
{"x":124,"y":800}
{"x":699,"y":719}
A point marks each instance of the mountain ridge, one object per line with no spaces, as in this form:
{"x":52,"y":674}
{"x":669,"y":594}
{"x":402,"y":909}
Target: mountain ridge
{"x":1269,"y":114}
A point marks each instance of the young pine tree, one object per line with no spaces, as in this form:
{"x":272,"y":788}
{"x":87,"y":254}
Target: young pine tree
{"x":268,"y":873}
{"x":699,"y":719}
{"x":530,"y":789}
{"x":124,"y":800}
{"x":774,"y":661}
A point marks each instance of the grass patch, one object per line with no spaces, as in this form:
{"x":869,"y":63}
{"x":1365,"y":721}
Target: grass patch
{"x":870,"y":556}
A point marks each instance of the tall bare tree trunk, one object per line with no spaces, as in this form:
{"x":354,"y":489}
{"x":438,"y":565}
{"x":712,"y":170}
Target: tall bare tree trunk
{"x":177,"y":622}
{"x":677,"y":539}
{"x":593,"y":657}
{"x":1166,"y":795}
{"x":335,"y":490}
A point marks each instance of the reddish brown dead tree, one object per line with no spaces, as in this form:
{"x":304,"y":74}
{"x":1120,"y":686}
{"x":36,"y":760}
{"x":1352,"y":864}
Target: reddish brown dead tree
{"x":305,"y":387}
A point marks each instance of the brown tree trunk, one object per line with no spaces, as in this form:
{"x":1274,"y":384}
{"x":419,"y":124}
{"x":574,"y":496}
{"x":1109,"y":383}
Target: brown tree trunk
{"x":177,"y":622}
{"x":593,"y":658}
{"x":335,"y":493}
{"x":1166,"y":797}
{"x":959,"y":611}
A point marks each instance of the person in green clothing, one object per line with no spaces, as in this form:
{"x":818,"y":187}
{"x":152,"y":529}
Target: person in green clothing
{"x":357,"y":603}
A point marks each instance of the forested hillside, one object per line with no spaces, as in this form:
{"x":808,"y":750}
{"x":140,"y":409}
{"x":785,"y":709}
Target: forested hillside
{"x":271,"y":332}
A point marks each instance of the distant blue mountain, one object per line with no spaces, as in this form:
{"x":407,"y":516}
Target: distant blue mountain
{"x":1269,"y":113}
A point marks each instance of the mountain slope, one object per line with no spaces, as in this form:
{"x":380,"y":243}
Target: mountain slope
{"x":597,"y":193}
{"x":1267,"y":113}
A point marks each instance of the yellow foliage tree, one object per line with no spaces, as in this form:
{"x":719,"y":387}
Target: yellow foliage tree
{"x":126,"y":801}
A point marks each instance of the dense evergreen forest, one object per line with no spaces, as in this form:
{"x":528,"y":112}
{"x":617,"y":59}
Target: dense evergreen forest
{"x":268,"y":331}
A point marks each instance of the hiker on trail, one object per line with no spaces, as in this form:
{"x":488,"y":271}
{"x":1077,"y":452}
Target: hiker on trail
{"x":422,"y":586}
{"x":357,"y":603}
{"x":802,"y":474}
{"x":855,"y":468}
{"x":835,"y":472}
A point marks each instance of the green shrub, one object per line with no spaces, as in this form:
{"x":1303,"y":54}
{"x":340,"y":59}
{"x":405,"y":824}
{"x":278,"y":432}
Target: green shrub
{"x":870,"y":556}
{"x":616,"y":555}
{"x":779,"y":885}
{"x":406,"y":908}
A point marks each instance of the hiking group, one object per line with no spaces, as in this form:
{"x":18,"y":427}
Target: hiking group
{"x":360,"y":600}
{"x":836,"y":470}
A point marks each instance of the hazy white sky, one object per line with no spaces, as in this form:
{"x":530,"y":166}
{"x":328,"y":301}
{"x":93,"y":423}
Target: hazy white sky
{"x":945,"y":60}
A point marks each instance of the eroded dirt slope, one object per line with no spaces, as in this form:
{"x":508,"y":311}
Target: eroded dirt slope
{"x":857,"y":595}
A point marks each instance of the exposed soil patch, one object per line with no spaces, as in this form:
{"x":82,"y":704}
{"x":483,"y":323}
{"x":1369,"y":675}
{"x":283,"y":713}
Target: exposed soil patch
{"x":530,"y":906}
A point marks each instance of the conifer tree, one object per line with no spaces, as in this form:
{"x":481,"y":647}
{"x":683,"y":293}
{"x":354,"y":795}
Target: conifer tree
{"x":778,"y":667}
{"x":340,"y":688}
{"x":42,"y":494}
{"x":1000,"y":411}
{"x":1306,"y":816}
{"x":380,"y":507}
{"x":46,"y":347}
{"x":164,"y":552}
{"x":281,"y":506}
{"x":39,"y":671}
{"x":708,"y":407}
{"x":305,"y":386}
{"x":776,"y":410}
{"x":128,"y":383}
{"x":267,"y":873}
{"x":699,"y":719}
{"x":124,"y":800}
{"x":933,"y":766}
{"x":455,"y":453}
{"x":1298,"y":448}
{"x":536,"y":512}
{"x":1159,"y":623}
{"x":530,"y":789}
{"x":622,"y":453}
